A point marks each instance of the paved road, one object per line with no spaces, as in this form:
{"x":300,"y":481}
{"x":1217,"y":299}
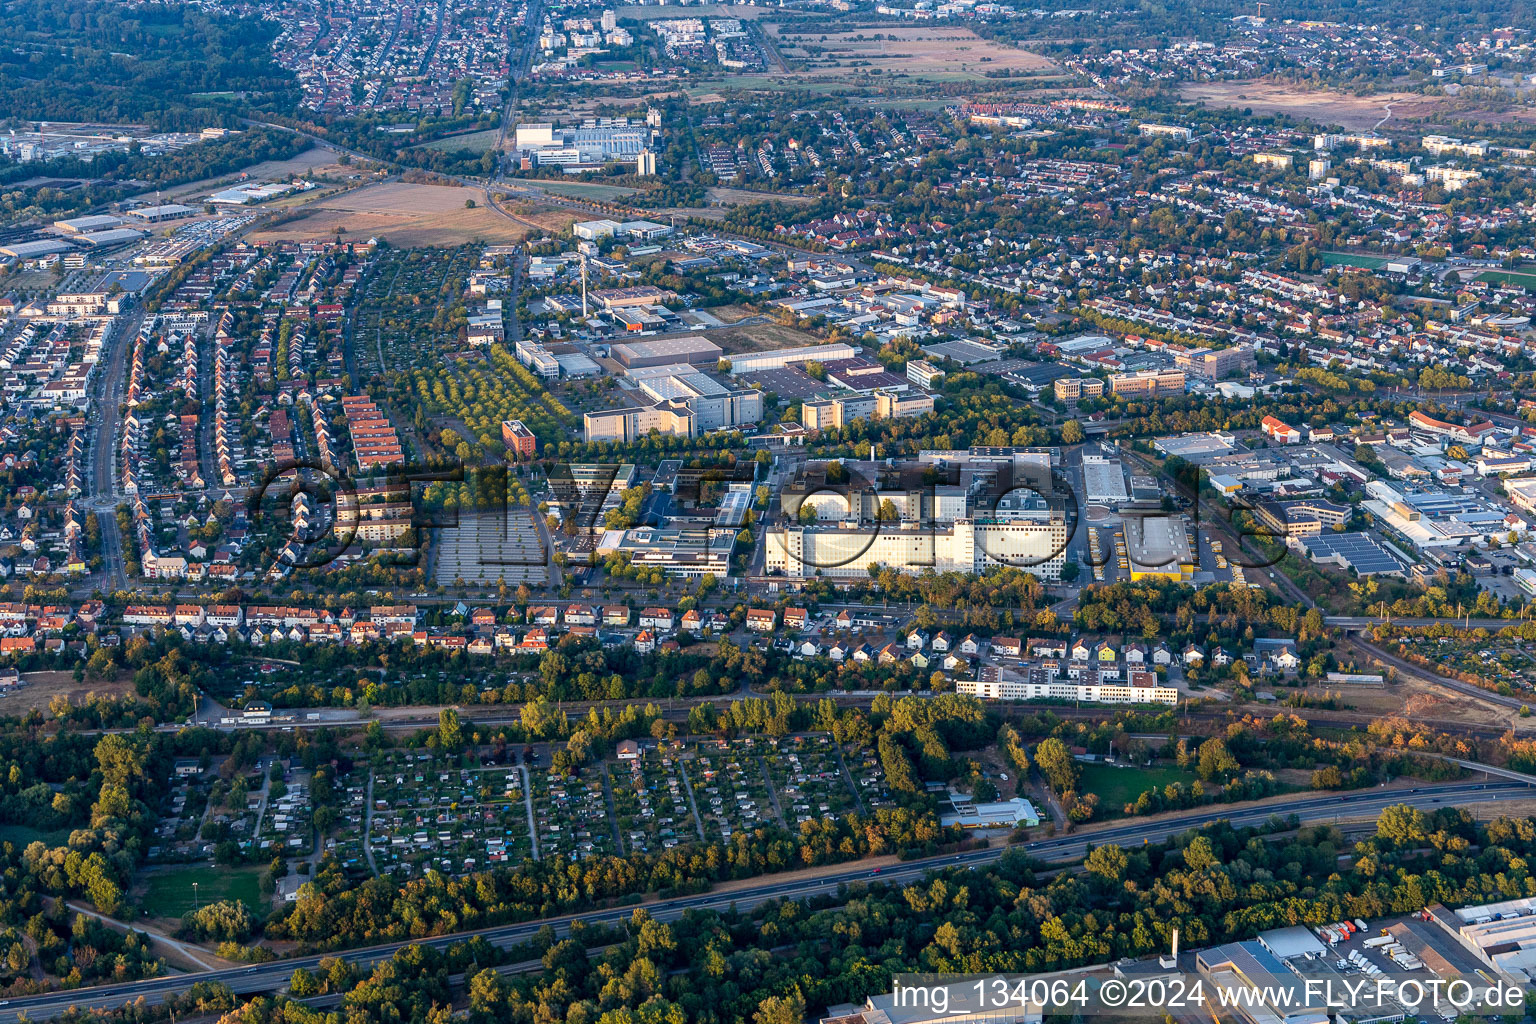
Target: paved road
{"x":1307,"y":809}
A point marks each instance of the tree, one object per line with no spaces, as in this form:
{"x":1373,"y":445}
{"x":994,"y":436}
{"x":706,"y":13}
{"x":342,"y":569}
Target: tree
{"x":1215,"y":762}
{"x":1072,"y":432}
{"x":450,"y":734}
{"x":788,"y":1009}
{"x":303,"y":984}
{"x":1057,"y":764}
{"x":888,"y":512}
{"x":807,"y":514}
{"x":1403,"y":825}
{"x":1107,"y":862}
{"x":1200,"y":855}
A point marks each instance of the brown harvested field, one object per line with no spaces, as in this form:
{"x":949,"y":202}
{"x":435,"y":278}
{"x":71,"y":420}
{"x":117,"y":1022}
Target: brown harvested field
{"x":1323,"y":106}
{"x":762,"y":338}
{"x":416,"y":215}
{"x":746,"y":197}
{"x":730,"y":314}
{"x":42,"y":687}
{"x":909,"y":49}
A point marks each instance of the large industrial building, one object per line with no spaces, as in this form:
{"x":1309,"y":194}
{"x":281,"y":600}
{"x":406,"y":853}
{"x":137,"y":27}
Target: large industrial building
{"x":677,"y":551}
{"x":667,"y":352}
{"x":1501,"y":935}
{"x":1104,"y":480}
{"x":714,"y":406}
{"x":1157,"y":546}
{"x":687,"y":404}
{"x":967,"y":545}
{"x":858,"y":500}
{"x":831,"y":413}
{"x":595,"y":142}
{"x":777,"y":359}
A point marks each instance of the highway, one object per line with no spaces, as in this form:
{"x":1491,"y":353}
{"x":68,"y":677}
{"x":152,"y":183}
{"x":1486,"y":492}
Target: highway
{"x":1307,"y":809}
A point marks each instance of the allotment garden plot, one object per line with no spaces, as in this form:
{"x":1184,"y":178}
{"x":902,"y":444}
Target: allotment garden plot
{"x":433,"y":812}
{"x":652,"y":800}
{"x":716,"y":789}
{"x":406,"y":812}
{"x":572,"y":814}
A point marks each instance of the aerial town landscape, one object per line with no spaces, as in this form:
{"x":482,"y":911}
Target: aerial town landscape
{"x":830,"y":511}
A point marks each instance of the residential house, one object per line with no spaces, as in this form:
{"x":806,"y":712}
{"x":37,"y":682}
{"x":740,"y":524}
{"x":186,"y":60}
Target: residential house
{"x":656,"y":618}
{"x":1008,"y":647}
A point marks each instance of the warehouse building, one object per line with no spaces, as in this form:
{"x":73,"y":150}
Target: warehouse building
{"x":597,"y":141}
{"x":1157,"y":546}
{"x":967,"y":545}
{"x":667,"y":352}
{"x":777,"y":359}
{"x":164,"y":212}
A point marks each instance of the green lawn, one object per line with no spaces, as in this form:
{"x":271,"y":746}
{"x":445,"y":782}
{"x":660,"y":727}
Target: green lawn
{"x":475,"y":142}
{"x":1348,"y":259}
{"x":580,"y":189}
{"x":169,"y":892}
{"x":1117,"y":787}
{"x":21,"y":835}
{"x":1523,"y":279}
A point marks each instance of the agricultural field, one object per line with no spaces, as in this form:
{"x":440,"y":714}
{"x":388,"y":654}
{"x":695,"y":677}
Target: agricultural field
{"x":1325,"y":106}
{"x":920,"y":51}
{"x":436,"y":812}
{"x":481,"y":399}
{"x":580,"y":189}
{"x":475,"y":142}
{"x":406,"y":214}
{"x":660,"y":13}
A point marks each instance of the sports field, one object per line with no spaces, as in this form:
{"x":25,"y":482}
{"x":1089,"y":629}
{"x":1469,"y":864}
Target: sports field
{"x":1118,"y":786}
{"x":1349,"y":259}
{"x":169,"y":893}
{"x":1525,"y":279}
